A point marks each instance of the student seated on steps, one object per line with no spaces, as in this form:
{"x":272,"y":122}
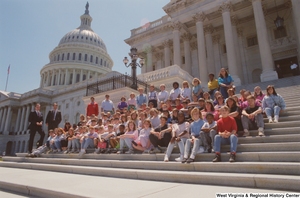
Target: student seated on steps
{"x":252,"y":117}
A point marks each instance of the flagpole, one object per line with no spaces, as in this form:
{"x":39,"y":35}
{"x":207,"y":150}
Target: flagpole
{"x":7,"y":77}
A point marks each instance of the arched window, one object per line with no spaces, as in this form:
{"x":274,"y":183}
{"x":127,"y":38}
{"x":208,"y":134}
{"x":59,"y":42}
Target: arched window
{"x":74,"y":56}
{"x":101,"y":61}
{"x":54,"y":80}
{"x":85,"y":57}
{"x":68,"y":56}
{"x":79,"y":57}
{"x":58,"y":57}
{"x":71,"y":78}
{"x":83,"y":77}
{"x":63,"y":56}
{"x":96,"y":60}
{"x":91,"y":59}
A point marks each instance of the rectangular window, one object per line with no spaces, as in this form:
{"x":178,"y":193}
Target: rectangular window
{"x":280,"y":33}
{"x":73,"y":56}
{"x":252,"y":41}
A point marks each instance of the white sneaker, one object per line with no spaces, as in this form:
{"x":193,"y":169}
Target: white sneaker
{"x":276,"y":119}
{"x":179,"y":159}
{"x":166,"y":159}
{"x":129,"y":152}
{"x":201,"y":150}
{"x":81,"y":153}
{"x":261,"y":131}
{"x":270,"y":120}
{"x":246,"y":133}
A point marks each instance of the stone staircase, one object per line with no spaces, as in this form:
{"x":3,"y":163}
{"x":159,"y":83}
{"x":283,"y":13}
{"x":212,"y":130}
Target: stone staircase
{"x":270,"y":162}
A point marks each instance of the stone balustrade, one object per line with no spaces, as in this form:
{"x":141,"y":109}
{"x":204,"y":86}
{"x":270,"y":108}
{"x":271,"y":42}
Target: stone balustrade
{"x":166,"y":73}
{"x":151,"y":25}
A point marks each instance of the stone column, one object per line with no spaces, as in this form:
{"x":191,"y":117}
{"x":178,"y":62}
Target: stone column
{"x":4,"y":116}
{"x":167,"y":52}
{"x":74,"y":76}
{"x":42,"y":80}
{"x":195,"y":63}
{"x":217,"y":56}
{"x":148,"y":65}
{"x":176,"y":43}
{"x":1,"y":116}
{"x":296,"y":14}
{"x":158,"y":57}
{"x":235,"y":22}
{"x":209,"y":49}
{"x":52,"y":79}
{"x":66,"y":77}
{"x":58,"y":77}
{"x":8,"y":120}
{"x":48,"y":78}
{"x":229,"y":40}
{"x":81,"y":75}
{"x":199,"y":19}
{"x":26,"y":117}
{"x":243,"y":55}
{"x":186,"y":37}
{"x":268,"y":72}
{"x":22,"y":119}
{"x":18,"y":120}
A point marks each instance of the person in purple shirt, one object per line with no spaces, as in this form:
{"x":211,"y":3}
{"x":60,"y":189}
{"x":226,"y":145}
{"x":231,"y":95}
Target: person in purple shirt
{"x":123,"y":104}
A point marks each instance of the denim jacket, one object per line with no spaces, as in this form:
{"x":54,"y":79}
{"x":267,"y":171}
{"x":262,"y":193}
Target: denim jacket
{"x":272,"y":100}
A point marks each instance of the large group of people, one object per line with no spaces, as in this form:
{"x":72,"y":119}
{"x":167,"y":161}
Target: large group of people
{"x":188,"y":117}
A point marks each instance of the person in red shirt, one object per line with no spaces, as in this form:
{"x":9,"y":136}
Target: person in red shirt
{"x":227,"y":129}
{"x":92,"y":108}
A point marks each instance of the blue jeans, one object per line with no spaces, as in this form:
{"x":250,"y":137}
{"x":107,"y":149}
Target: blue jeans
{"x":74,"y":144}
{"x":272,"y":110}
{"x":56,"y":145}
{"x":207,"y":138}
{"x":180,"y":145}
{"x":188,"y":147}
{"x":88,"y":142}
{"x":232,"y":141}
{"x":127,"y":142}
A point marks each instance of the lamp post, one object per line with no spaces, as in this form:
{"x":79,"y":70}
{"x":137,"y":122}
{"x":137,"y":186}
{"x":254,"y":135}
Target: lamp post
{"x":134,"y":57}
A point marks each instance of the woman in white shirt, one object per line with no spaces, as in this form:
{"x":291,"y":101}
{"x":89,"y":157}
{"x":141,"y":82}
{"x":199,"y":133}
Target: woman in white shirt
{"x":186,"y":91}
{"x":163,"y":95}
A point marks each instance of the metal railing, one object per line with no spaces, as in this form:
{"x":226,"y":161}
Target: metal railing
{"x":116,"y":82}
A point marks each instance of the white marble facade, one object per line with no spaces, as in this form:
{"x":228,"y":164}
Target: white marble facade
{"x":201,"y":36}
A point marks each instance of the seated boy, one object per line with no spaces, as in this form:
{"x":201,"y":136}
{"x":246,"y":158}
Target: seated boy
{"x":252,"y":117}
{"x":227,"y":135}
{"x":87,"y":141}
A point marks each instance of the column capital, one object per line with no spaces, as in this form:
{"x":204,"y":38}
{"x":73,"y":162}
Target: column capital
{"x":176,"y":25}
{"x":158,"y":55}
{"x":167,"y":43}
{"x":288,"y":4}
{"x":186,"y":36}
{"x":225,"y":7}
{"x":209,"y":29}
{"x":148,"y":49}
{"x":216,"y":39}
{"x":194,"y":45}
{"x":200,"y":16}
{"x":234,"y":20}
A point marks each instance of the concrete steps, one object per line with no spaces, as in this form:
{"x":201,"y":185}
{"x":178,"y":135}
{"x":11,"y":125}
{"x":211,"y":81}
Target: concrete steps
{"x":268,"y":181}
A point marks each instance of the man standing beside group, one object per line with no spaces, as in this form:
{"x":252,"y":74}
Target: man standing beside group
{"x":36,"y":122}
{"x":53,"y":118}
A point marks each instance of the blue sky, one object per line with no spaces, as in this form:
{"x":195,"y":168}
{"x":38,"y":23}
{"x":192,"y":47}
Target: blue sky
{"x":31,"y":29}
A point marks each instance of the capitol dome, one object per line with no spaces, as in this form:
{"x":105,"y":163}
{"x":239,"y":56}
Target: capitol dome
{"x":80,"y":55}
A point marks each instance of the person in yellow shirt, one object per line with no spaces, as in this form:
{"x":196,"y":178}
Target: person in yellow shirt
{"x":212,"y":85}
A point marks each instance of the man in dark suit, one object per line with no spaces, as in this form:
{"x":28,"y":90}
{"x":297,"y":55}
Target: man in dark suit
{"x":36,"y":123}
{"x":53,"y":118}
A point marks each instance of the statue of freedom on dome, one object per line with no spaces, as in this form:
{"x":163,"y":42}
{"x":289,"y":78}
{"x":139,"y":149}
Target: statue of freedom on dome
{"x":87,"y":8}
